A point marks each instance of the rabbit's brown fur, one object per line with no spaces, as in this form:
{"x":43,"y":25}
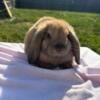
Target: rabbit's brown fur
{"x":52,"y":42}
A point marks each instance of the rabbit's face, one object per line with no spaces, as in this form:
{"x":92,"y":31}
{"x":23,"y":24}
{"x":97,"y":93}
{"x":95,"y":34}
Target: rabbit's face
{"x":55,"y":43}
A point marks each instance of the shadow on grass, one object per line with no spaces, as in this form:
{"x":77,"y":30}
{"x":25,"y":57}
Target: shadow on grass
{"x":3,"y":14}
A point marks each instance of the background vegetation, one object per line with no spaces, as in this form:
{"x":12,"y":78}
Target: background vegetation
{"x":86,"y":25}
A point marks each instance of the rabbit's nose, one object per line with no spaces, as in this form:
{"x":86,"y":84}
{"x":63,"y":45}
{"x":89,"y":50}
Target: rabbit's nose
{"x":59,"y":46}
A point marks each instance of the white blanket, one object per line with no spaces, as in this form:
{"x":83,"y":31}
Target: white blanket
{"x":21,"y":81}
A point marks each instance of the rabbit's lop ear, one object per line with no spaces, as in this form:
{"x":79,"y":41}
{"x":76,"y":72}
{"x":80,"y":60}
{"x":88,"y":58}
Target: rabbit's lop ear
{"x":75,"y":44}
{"x":33,"y":41}
{"x":35,"y":46}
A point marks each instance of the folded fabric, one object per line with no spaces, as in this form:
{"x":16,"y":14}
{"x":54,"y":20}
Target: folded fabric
{"x":22,"y":81}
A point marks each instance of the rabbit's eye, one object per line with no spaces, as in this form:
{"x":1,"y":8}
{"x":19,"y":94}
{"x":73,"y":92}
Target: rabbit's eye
{"x":48,"y":36}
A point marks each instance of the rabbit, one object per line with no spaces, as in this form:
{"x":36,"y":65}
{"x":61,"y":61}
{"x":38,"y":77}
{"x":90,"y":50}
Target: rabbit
{"x":52,"y":43}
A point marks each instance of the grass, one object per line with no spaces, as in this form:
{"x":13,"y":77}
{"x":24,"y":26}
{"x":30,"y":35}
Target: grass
{"x":87,"y":25}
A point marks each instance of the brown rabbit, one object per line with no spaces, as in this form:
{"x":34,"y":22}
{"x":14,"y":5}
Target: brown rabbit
{"x":52,"y":43}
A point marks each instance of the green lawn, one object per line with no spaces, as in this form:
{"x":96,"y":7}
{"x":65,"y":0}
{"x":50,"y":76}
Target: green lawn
{"x":87,"y":25}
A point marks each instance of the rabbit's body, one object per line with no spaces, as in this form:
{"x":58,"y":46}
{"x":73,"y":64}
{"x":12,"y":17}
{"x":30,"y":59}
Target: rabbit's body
{"x":52,"y":42}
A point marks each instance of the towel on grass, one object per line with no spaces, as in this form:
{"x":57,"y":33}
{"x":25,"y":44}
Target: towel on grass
{"x":21,"y":81}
